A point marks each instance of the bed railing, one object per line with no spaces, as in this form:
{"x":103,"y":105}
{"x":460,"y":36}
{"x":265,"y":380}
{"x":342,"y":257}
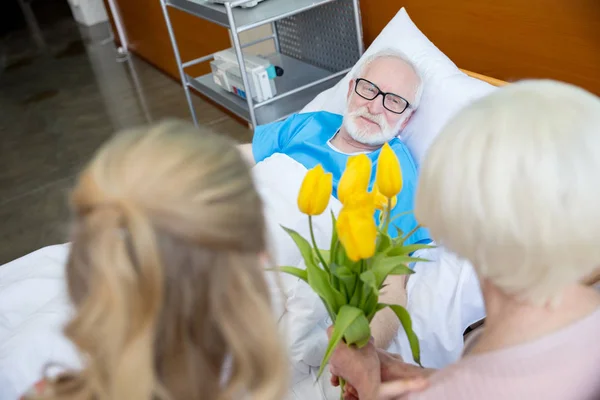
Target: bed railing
{"x":488,"y":79}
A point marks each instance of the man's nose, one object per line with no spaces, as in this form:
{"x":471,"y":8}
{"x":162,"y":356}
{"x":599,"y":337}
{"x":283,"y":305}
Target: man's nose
{"x":376,"y":105}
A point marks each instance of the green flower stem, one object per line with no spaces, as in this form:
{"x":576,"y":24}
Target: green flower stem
{"x":381,"y":220}
{"x":332,"y":259}
{"x":388,"y":212}
{"x":314,"y":242}
{"x":363,"y":300}
{"x":333,"y":252}
{"x":409,"y":234}
{"x":342,"y":387}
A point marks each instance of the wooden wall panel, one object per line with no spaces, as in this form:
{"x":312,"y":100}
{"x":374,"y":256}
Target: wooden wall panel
{"x":148,"y":36}
{"x":506,"y":39}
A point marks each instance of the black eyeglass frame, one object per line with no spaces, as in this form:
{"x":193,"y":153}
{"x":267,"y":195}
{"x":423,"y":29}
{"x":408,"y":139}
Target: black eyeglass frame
{"x":379,"y":92}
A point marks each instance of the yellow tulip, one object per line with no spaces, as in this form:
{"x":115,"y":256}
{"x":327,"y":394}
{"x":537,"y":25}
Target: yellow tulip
{"x":315,"y":191}
{"x":389,"y":174}
{"x":381,"y":202}
{"x":361,"y":200}
{"x":357,"y":232}
{"x":355,"y":178}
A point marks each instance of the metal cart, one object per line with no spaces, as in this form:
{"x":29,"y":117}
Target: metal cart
{"x":316,"y":41}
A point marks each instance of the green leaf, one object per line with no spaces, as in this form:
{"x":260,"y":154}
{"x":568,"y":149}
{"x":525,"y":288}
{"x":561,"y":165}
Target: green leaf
{"x":399,"y":235}
{"x":335,"y":282}
{"x":370,"y":308}
{"x":334,"y":238}
{"x":378,"y":307}
{"x":318,"y":279}
{"x":383,"y":243}
{"x":400,"y":250}
{"x":401,"y":269}
{"x":345,"y":317}
{"x":305,"y":248}
{"x":325,"y":253}
{"x":370,"y":281}
{"x":359,"y":332}
{"x":347,"y":280}
{"x":356,"y":296}
{"x":406,"y":322}
{"x":398,"y":215}
{"x":344,"y":273}
{"x":343,"y":259}
{"x":401,"y":259}
{"x":384,"y":266}
{"x":297,"y":272}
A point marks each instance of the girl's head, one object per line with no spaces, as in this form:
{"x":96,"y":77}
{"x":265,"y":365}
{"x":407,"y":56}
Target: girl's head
{"x":165,"y":272}
{"x":512,"y":184}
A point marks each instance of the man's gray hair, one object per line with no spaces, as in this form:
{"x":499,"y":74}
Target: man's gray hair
{"x":393,"y":53}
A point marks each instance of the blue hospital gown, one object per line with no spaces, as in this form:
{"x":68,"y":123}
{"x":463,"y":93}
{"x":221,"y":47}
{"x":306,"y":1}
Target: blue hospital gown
{"x":305,"y":138}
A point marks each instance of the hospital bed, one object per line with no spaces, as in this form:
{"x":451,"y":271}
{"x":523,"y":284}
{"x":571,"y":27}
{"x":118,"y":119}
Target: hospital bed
{"x":34,"y":304}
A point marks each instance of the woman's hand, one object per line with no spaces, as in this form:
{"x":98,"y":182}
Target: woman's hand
{"x":349,"y":392}
{"x":359,"y":367}
{"x":388,"y":391}
{"x":402,"y":377}
{"x":396,"y":389}
{"x":394,"y":368}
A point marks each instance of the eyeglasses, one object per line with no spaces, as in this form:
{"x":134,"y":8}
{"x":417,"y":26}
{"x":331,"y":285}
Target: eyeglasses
{"x":369,"y":91}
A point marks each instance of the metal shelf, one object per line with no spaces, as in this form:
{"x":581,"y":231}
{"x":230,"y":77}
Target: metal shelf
{"x":297,"y":73}
{"x":246,"y":18}
{"x":312,"y":38}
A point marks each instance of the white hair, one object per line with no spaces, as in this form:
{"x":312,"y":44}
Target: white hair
{"x":513,"y":184}
{"x":393,"y":53}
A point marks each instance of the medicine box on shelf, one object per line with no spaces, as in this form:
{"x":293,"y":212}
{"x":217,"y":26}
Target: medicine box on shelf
{"x":261,"y":74}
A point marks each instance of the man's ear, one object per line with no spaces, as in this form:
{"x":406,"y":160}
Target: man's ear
{"x":350,"y":88}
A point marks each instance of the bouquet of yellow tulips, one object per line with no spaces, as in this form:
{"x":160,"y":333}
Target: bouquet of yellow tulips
{"x":349,"y":275}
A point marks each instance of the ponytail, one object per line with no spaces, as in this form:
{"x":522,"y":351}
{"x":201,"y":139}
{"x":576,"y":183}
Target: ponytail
{"x":116,"y":319}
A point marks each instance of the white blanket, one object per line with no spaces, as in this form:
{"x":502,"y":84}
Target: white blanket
{"x":443,"y":298}
{"x":33,"y":309}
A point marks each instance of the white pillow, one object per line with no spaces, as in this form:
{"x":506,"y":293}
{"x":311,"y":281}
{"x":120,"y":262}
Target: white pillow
{"x":446,"y":89}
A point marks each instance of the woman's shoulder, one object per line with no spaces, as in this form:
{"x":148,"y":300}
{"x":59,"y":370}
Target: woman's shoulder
{"x":499,"y":374}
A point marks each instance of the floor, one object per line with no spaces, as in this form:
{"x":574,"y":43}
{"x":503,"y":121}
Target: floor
{"x":55,"y":110}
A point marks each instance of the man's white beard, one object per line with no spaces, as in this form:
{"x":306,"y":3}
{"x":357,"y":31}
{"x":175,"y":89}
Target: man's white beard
{"x":365,"y":135}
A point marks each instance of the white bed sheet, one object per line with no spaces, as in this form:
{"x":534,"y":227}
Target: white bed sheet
{"x":33,"y":309}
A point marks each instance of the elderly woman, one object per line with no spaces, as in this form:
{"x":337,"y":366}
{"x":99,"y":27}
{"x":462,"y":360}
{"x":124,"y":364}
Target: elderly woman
{"x":512,"y":184}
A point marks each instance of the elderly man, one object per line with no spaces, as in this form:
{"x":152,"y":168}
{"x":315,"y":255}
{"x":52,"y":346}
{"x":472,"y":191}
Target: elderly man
{"x":382,"y":96}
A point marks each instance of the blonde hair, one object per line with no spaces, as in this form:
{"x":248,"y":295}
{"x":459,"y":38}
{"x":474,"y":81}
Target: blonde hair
{"x":511,"y":184}
{"x":166,"y":275}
